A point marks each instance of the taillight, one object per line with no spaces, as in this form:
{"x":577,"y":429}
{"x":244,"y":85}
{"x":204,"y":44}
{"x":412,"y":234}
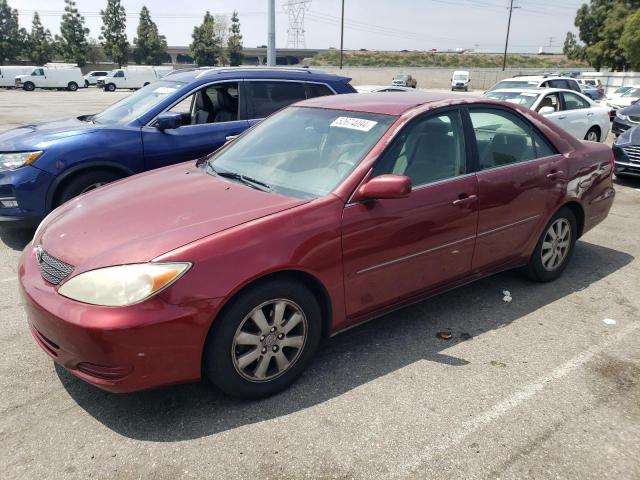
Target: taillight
{"x":613,"y":162}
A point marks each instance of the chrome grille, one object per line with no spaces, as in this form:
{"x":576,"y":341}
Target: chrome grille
{"x":52,"y":269}
{"x":633,"y":152}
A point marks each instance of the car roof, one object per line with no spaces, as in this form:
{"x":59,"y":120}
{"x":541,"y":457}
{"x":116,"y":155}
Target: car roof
{"x":297,"y":73}
{"x":539,"y":78}
{"x":382,"y":104}
{"x":531,"y":90}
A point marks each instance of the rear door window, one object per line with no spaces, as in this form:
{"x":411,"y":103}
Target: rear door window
{"x":317,"y":90}
{"x":264,"y":98}
{"x":574,"y":102}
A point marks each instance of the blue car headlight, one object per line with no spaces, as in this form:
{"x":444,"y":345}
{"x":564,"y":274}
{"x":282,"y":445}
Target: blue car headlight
{"x":13,"y":160}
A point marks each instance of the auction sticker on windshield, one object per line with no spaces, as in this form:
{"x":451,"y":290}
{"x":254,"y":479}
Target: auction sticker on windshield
{"x":354,"y":123}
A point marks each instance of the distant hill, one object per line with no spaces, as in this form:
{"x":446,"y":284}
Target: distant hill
{"x":372,"y":58}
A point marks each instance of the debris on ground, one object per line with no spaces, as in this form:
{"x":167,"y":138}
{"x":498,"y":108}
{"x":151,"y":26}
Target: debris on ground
{"x":609,"y":321}
{"x":444,"y":335}
{"x":495,"y":363}
{"x":465,"y":336}
{"x":507,"y":296}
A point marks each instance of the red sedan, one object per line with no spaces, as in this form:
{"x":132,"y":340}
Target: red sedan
{"x":328,"y":213}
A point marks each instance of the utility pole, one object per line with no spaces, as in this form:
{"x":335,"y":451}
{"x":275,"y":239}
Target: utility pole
{"x":506,"y":43}
{"x":271,"y":35}
{"x":341,"y":34}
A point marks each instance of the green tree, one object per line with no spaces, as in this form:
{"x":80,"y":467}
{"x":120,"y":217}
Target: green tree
{"x":72,"y":42}
{"x":234,"y":43}
{"x":11,"y":41}
{"x":149,"y":45}
{"x":205,"y":48}
{"x":630,"y":40}
{"x":95,"y":54}
{"x":572,"y":49}
{"x":40,"y":42}
{"x":114,"y":37}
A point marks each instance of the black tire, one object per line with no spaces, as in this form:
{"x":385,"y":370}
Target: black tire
{"x":536,"y":270}
{"x":595,"y":130}
{"x":83,"y":182}
{"x":218,"y":362}
{"x":86,"y":84}
{"x":145,"y":84}
{"x":29,"y":87}
{"x":110,"y":87}
{"x":72,"y":86}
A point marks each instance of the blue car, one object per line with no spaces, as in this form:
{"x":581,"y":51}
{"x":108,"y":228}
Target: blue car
{"x":181,"y":117}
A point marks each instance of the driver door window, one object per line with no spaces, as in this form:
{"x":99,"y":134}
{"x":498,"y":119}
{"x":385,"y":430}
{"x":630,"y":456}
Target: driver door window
{"x":573,"y":101}
{"x":429,"y":150}
{"x":212,"y":104}
{"x":552,"y":100}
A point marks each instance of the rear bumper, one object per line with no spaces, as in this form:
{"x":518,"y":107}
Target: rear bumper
{"x":125,"y":349}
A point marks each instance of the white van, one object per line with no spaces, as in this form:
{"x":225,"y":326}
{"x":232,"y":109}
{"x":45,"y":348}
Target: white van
{"x":8,"y":74}
{"x":130,"y":77}
{"x":460,"y":80}
{"x":52,"y":75}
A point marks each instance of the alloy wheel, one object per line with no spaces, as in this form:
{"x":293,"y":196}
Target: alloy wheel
{"x":269,"y":340}
{"x":556,"y":244}
{"x":592,"y":136}
{"x":93,"y":186}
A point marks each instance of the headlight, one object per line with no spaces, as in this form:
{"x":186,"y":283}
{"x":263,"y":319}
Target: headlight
{"x":621,"y":116}
{"x":124,"y":284}
{"x":13,"y":160}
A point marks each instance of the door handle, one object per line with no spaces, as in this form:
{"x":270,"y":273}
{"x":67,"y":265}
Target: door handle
{"x":562,"y":117}
{"x":464,"y":200}
{"x":590,"y":114}
{"x":553,"y":174}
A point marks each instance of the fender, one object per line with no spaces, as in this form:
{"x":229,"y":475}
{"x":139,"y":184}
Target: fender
{"x":79,"y":167}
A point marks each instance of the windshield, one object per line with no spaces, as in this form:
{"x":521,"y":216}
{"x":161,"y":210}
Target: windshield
{"x":514,"y":84}
{"x":632,"y":92}
{"x":134,"y":106}
{"x":401,"y":77}
{"x":621,"y":89}
{"x":525,"y":99}
{"x":302,"y":152}
{"x":460,"y":77}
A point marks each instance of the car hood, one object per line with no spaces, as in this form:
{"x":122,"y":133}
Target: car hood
{"x":142,"y":217}
{"x":35,"y":136}
{"x":629,"y":137}
{"x":623,"y":101}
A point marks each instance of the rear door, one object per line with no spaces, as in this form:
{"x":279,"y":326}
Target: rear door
{"x":397,"y":248}
{"x":554,"y":101}
{"x":210,"y":114}
{"x":264,"y":97}
{"x":578,"y":114}
{"x":520,"y":178}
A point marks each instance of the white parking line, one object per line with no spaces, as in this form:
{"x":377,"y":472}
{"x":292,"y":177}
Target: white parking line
{"x":522,"y":395}
{"x":10,"y":279}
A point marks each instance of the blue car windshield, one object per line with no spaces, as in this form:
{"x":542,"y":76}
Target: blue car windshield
{"x":139,"y":103}
{"x":301,"y":152}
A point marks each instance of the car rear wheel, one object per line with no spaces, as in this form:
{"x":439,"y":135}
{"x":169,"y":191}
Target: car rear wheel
{"x":29,"y":87}
{"x":72,"y":86}
{"x":554,"y":248}
{"x":110,"y":87}
{"x":85,"y":182}
{"x":263,"y":340}
{"x":593,"y":135}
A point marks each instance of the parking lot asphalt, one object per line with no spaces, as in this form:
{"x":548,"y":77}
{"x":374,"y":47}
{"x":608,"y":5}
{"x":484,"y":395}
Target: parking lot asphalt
{"x":539,"y":387}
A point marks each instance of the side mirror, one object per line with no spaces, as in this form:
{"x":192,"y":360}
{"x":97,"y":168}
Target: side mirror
{"x":168,"y":121}
{"x":546,"y":110}
{"x":386,"y":186}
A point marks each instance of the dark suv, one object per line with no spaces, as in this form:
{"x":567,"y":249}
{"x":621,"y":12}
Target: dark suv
{"x":183,"y":116}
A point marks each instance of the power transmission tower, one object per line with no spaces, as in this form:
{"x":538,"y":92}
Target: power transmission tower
{"x":295,"y":33}
{"x":511,"y":7}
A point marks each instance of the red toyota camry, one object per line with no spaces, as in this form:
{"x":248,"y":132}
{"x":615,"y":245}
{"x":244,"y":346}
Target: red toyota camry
{"x":327,"y":214}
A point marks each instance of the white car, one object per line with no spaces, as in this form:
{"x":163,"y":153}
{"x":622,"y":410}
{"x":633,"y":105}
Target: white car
{"x":538,"y":81}
{"x":382,"y":88}
{"x":618,"y":92}
{"x":52,"y":75}
{"x":627,"y":98}
{"x":91,"y":78}
{"x":574,"y":112}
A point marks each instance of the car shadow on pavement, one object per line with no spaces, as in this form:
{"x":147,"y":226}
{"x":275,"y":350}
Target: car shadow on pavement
{"x":16,"y":238}
{"x":349,"y":360}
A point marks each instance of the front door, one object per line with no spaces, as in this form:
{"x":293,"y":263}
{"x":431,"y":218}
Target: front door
{"x":209,"y":116}
{"x":396,"y":248}
{"x":520,"y":178}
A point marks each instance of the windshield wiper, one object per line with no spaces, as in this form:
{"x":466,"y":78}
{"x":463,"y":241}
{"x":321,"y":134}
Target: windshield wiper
{"x":252,"y":182}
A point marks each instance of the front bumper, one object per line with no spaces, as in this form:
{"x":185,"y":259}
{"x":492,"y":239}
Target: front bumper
{"x":27,"y":186}
{"x":624,"y":164}
{"x":118,"y":349}
{"x":619,"y":126}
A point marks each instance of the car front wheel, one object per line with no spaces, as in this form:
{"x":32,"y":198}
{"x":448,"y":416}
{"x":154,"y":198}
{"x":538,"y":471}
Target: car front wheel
{"x":593,"y":135}
{"x":554,"y":248}
{"x":264,"y":339}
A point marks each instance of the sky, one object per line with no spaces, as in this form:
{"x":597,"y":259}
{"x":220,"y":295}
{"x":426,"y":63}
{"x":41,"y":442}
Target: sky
{"x":370,"y":24}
